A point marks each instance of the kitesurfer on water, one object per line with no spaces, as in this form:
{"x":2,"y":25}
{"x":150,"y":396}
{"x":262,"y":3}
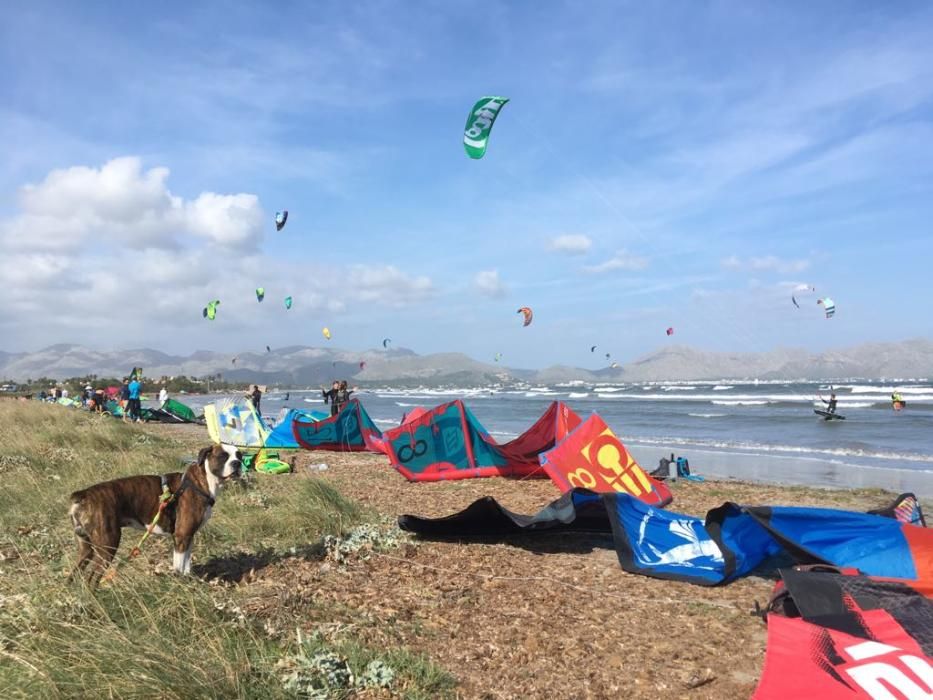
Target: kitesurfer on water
{"x":831,"y":404}
{"x":897,"y":400}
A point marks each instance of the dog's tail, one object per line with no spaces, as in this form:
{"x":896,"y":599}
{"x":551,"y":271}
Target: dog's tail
{"x":77,"y":500}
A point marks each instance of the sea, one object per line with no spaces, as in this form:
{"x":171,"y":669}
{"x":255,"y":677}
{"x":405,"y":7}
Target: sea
{"x":750,"y":430}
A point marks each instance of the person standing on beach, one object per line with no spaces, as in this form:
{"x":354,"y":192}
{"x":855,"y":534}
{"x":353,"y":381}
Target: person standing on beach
{"x":330,"y":396}
{"x":135,"y":388}
{"x":125,"y":398}
{"x":255,"y":395}
{"x":342,"y":396}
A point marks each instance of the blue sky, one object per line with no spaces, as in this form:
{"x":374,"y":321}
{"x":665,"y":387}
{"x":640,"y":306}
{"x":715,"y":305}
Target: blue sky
{"x":659,"y":164}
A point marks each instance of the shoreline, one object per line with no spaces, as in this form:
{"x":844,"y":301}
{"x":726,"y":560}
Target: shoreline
{"x":785,"y":470}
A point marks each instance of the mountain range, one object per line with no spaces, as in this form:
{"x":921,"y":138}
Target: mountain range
{"x":299,"y":366}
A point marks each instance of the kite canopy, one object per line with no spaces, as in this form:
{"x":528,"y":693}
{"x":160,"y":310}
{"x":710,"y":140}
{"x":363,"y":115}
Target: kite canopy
{"x":592,"y":457}
{"x":268,"y":349}
{"x":280,"y":218}
{"x":288,"y":302}
{"x":233,"y":361}
{"x":498,"y":356}
{"x":799,"y":291}
{"x":260,"y":293}
{"x":362,"y":364}
{"x":385,"y":343}
{"x":210,"y":311}
{"x":479,"y":124}
{"x":351,"y":430}
{"x":448,"y":442}
{"x":527,"y":313}
{"x":282,"y":434}
{"x":173,"y":412}
{"x":829,"y":306}
{"x":592,"y":348}
{"x":325,"y":331}
{"x":730,"y":542}
{"x":235,"y":422}
{"x":847,"y":637}
{"x":670,"y":331}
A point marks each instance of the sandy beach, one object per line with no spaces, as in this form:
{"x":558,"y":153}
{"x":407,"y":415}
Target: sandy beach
{"x":537,"y":617}
{"x":549,"y":616}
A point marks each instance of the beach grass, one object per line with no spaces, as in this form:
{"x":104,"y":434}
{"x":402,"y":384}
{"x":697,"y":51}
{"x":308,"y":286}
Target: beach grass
{"x":146,"y":632}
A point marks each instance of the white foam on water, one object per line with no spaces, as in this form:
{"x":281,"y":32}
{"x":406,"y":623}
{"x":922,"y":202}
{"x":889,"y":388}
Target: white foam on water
{"x":757,"y":447}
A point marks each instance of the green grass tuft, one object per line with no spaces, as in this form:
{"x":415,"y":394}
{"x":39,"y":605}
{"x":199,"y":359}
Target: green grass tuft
{"x":148,"y":634}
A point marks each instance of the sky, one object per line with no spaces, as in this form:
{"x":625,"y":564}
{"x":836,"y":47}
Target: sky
{"x":680,"y":165}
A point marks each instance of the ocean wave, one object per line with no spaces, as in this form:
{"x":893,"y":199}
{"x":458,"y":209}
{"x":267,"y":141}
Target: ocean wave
{"x":577,"y":395}
{"x":741,"y":403}
{"x":887,"y":390}
{"x":790,"y":449}
{"x":723,"y":387}
{"x":503,"y":433}
{"x":385,"y":421}
{"x":406,"y":405}
{"x":708,"y":415}
{"x":844,"y":399}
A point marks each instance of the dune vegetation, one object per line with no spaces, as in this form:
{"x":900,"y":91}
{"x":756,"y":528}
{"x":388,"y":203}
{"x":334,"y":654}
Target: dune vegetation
{"x":147,"y":632}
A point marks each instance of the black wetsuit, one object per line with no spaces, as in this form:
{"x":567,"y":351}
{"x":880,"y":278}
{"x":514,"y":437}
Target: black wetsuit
{"x":341,"y":397}
{"x":330,"y":396}
{"x":830,"y":405}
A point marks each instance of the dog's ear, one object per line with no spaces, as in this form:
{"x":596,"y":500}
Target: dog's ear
{"x":202,"y":455}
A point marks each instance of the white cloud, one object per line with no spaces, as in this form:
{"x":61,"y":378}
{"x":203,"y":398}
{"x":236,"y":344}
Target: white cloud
{"x":572,"y":243}
{"x":111,"y":251}
{"x":230,"y":220}
{"x":622,"y":260}
{"x":767,"y":262}
{"x":387,"y":284}
{"x":121,"y":203}
{"x":488,"y":283}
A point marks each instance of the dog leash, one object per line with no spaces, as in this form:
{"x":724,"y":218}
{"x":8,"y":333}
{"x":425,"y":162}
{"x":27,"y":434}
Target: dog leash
{"x":164,"y":499}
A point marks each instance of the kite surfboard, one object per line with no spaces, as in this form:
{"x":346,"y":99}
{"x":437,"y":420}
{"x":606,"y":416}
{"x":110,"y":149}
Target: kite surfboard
{"x":827,"y":415}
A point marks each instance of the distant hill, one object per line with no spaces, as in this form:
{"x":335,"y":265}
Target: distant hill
{"x":310,"y":366}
